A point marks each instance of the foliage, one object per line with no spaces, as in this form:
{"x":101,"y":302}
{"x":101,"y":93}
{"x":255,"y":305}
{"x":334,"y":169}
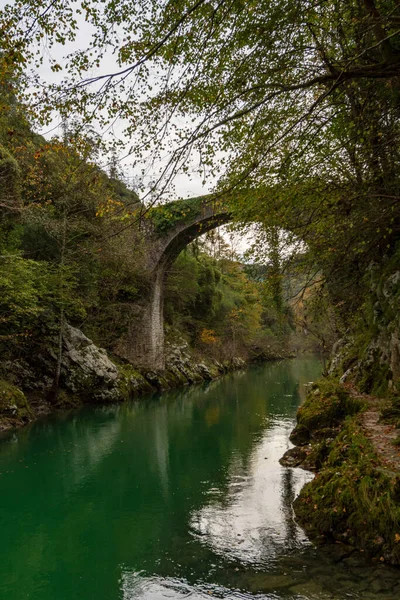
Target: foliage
{"x":326,"y":405}
{"x":213,"y":303}
{"x":165,"y":217}
{"x":207,"y":336}
{"x":59,"y":258}
{"x":9,"y":181}
{"x":30,"y":298}
{"x":293,"y":105}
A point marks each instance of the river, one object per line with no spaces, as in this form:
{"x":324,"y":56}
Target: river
{"x":175,"y":496}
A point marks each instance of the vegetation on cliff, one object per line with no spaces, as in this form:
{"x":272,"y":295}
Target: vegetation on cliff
{"x":301,"y":99}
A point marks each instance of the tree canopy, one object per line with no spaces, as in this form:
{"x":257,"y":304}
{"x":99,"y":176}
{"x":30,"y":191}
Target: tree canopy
{"x":294,"y":104}
{"x":271,"y":83}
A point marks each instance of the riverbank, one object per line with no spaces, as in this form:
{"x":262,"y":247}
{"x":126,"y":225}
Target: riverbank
{"x":90,"y":375}
{"x":354,"y":497}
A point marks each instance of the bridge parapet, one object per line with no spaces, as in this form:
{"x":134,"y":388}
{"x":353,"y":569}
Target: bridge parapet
{"x":174,"y":225}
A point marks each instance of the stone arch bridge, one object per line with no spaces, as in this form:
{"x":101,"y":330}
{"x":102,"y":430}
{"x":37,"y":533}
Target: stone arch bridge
{"x":168,"y":230}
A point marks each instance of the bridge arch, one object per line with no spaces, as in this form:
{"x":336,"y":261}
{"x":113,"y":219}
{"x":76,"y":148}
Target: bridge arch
{"x":144,"y":346}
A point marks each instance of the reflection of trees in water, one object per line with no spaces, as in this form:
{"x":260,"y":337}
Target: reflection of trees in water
{"x":303,"y":372}
{"x":288,"y":495}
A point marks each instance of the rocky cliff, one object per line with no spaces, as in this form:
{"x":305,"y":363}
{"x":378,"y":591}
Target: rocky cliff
{"x":89,"y":374}
{"x":369,"y":355}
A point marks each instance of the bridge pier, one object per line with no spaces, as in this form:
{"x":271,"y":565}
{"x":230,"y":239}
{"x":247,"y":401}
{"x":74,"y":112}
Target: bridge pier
{"x":143,"y":345}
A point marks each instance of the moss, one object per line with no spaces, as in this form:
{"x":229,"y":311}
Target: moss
{"x":317,"y":456}
{"x":352,"y":498}
{"x":175,"y":377}
{"x":13,"y":403}
{"x":214,"y":373}
{"x":132,"y":383}
{"x":326,"y":406}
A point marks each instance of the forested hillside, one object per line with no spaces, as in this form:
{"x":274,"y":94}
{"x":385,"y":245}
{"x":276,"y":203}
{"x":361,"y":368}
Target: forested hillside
{"x":72,"y":253}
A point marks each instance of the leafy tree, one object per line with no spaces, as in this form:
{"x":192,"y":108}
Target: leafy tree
{"x":293,"y":105}
{"x":30,"y":297}
{"x":301,"y":98}
{"x":213,"y":303}
{"x":9,"y":183}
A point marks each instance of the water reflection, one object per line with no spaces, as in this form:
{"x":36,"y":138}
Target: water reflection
{"x":253,"y":521}
{"x":136,"y":586}
{"x":174,"y":496}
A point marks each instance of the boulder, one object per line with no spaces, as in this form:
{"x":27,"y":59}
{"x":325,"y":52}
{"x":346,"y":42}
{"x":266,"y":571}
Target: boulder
{"x":294,"y":457}
{"x":300,"y":435}
{"x":84,"y":362}
{"x":86,"y":369}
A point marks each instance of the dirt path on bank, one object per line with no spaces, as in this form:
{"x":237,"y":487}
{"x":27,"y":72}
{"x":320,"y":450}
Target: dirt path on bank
{"x":382,"y":435}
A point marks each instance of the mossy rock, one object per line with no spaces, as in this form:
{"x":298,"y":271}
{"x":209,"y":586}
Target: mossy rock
{"x":132,"y":383}
{"x":13,"y":402}
{"x":192,"y":376}
{"x":214,"y":373}
{"x":326,"y":406}
{"x":157,"y":381}
{"x":300,"y":435}
{"x":326,"y":433}
{"x":175,"y":376}
{"x":352,"y":498}
{"x":294,"y":457}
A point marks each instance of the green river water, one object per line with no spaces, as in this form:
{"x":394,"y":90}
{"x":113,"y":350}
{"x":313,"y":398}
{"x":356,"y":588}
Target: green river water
{"x":174,"y":496}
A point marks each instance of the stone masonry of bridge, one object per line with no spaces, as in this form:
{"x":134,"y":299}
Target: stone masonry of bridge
{"x":144,"y":346}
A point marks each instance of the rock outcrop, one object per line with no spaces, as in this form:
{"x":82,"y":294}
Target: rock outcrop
{"x":89,"y":374}
{"x":354,"y":497}
{"x":370,"y":355}
{"x":87,"y":369}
